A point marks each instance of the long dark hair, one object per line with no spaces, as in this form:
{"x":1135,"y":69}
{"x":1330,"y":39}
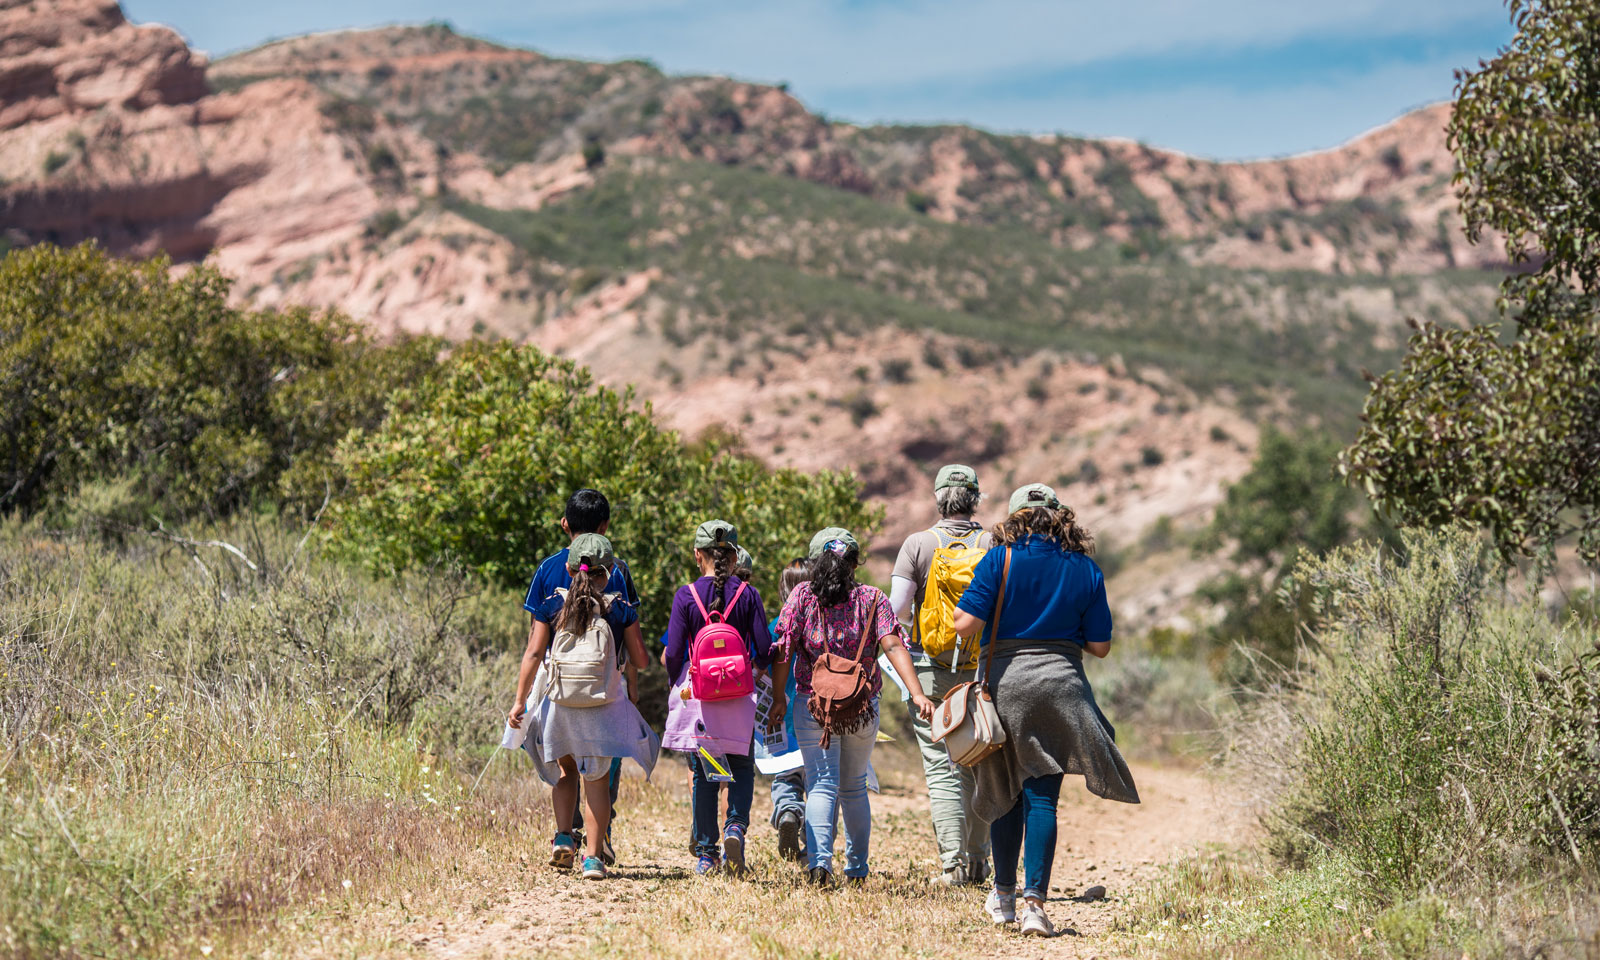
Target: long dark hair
{"x":585,"y":598}
{"x":1060,"y":525}
{"x":833,"y":576}
{"x":722,"y":560}
{"x":797,"y":572}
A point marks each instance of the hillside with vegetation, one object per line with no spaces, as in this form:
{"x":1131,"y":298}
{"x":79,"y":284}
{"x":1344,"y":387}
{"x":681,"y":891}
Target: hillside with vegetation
{"x":836,"y":295}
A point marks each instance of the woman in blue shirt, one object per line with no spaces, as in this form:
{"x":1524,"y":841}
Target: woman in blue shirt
{"x":1053,"y":609}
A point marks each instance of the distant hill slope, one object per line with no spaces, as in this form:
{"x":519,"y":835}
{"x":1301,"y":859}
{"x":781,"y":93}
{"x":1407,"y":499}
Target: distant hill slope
{"x":1098,"y":314}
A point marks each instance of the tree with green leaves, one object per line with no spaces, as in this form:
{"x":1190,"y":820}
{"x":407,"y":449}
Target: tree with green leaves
{"x":1291,"y":504}
{"x":113,"y":370}
{"x":1500,"y":424}
{"x":474,"y":464}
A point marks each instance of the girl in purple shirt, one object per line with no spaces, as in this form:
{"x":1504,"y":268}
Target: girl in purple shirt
{"x":725,"y":727}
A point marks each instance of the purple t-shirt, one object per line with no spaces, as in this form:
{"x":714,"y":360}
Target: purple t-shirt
{"x":747,"y":616}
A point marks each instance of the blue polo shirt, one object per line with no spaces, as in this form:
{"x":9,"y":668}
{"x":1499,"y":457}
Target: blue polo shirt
{"x":552,"y":573}
{"x":1052,"y":594}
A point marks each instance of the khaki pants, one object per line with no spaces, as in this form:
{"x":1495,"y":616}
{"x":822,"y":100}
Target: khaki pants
{"x":963,"y":838}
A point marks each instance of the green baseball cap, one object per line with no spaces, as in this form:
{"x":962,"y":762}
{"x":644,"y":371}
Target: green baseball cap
{"x":590,"y":548}
{"x":745,"y":560}
{"x":955,"y":475}
{"x":716,"y":533}
{"x":828,"y":535}
{"x":1034,"y":495}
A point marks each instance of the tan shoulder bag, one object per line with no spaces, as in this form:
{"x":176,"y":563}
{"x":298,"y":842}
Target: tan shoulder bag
{"x":967,"y":722}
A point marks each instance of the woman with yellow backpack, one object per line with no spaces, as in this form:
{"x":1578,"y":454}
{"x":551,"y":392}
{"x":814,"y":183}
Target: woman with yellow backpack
{"x":931,"y":573}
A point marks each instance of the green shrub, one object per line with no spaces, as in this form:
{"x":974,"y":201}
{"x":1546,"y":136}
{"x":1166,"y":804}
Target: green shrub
{"x":116,"y":368}
{"x":474,"y":465}
{"x":1415,"y":738}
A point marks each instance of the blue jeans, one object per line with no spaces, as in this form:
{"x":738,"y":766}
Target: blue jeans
{"x":788,"y":793}
{"x":1028,"y":829}
{"x":707,"y":838}
{"x":836,"y":781}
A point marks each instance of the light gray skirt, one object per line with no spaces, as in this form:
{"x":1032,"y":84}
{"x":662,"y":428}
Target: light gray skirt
{"x":1052,"y":726}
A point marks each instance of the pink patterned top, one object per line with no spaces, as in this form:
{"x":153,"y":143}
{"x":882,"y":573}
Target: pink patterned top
{"x":809,"y":630}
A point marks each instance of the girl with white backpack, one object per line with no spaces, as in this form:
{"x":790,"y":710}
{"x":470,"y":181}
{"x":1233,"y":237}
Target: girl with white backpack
{"x":576,"y":692}
{"x":716,"y":642}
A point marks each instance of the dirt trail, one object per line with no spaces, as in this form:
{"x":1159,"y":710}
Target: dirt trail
{"x":1118,"y":845}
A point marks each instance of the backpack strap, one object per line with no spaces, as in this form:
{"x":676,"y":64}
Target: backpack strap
{"x":721,"y":615}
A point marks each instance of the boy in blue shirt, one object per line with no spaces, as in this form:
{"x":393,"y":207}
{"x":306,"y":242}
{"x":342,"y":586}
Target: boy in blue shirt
{"x":587,"y":511}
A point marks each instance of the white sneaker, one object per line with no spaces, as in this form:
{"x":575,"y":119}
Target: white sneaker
{"x":1034,"y":922}
{"x":1001,"y":907}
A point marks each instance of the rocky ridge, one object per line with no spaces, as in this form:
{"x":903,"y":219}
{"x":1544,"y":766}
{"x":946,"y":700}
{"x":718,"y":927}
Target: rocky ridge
{"x":883,"y":297}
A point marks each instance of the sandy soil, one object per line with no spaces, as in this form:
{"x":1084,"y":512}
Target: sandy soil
{"x":1113,"y":844}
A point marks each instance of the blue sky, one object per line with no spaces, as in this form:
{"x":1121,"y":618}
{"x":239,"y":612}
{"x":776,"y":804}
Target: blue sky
{"x":1220,"y":78}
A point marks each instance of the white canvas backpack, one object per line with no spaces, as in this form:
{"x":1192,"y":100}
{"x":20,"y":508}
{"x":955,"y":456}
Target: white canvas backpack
{"x":583,"y":667}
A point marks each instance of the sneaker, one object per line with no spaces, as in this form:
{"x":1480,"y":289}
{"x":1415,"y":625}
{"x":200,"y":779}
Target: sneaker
{"x":563,"y":851}
{"x":1034,"y":922}
{"x":608,"y":856}
{"x":820,"y":876}
{"x":733,"y":847}
{"x":789,"y":836}
{"x":707,"y":864}
{"x":1001,"y":907}
{"x":593,"y":869}
{"x":955,"y":876}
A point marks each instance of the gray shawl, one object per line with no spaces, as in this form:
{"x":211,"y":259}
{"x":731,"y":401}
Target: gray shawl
{"x":1052,"y":726}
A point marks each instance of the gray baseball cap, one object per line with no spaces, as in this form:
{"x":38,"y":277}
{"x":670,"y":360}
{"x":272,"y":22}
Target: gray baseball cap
{"x":591,"y":549}
{"x":716,"y":533}
{"x":828,"y":535}
{"x":955,"y":475}
{"x":1034,"y":495}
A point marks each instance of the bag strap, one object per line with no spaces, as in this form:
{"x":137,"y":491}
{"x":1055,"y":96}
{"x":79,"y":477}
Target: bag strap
{"x":721,"y":615}
{"x":994,"y":628}
{"x":866,"y":628}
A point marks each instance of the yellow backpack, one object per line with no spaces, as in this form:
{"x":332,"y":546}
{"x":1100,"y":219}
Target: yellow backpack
{"x":949,"y":573}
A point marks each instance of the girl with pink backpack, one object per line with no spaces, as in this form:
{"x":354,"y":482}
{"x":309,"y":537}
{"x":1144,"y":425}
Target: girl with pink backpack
{"x":716,"y":642}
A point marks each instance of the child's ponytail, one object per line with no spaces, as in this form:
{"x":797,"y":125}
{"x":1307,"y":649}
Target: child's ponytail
{"x":585,"y":599}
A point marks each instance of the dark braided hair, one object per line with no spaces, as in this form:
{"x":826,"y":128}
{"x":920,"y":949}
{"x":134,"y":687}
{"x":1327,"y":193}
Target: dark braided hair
{"x":722,"y":561}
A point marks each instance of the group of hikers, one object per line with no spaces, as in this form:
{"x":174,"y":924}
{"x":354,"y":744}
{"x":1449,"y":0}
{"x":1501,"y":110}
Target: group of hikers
{"x":991,"y":669}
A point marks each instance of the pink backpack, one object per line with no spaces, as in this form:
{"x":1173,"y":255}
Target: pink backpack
{"x":720,"y":667}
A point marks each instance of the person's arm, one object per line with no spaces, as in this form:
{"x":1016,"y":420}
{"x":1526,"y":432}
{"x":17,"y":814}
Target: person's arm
{"x":966,"y":624}
{"x":901,"y":593}
{"x":1097,"y":620}
{"x":538,"y":643}
{"x":633,"y":639}
{"x":676,"y":652}
{"x":900,"y":659}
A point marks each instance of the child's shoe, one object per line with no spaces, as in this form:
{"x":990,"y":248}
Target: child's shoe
{"x":733,"y":848}
{"x":563,"y":851}
{"x":608,"y":856}
{"x":789,"y":836}
{"x":593,"y":869}
{"x":707,"y":865}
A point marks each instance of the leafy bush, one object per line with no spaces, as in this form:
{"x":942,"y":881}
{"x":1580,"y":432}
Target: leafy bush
{"x":117,"y":369}
{"x":1416,"y":731}
{"x":475,"y":464}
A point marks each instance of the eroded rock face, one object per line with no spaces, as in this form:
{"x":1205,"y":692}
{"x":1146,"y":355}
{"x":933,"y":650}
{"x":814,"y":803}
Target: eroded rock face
{"x":69,"y":56}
